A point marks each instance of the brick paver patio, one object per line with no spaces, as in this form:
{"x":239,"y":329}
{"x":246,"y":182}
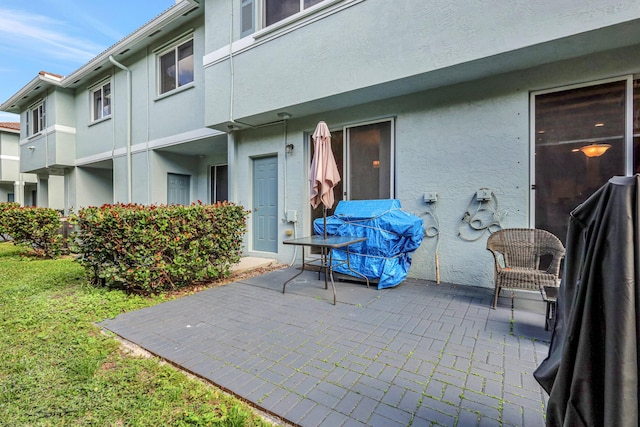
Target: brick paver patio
{"x":419,"y":354}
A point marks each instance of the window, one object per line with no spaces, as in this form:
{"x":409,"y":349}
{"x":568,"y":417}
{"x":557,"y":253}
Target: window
{"x":11,"y":197}
{"x":277,"y":10}
{"x":176,"y":67}
{"x":101,"y":102}
{"x":36,"y":119}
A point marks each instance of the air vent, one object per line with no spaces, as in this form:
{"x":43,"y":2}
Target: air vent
{"x":154,"y":33}
{"x":124,"y":51}
{"x":97,"y":68}
{"x":190,"y":12}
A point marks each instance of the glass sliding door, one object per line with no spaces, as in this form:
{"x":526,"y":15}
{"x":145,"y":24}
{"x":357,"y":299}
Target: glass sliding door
{"x":370,"y":162}
{"x":219,"y":183}
{"x":365,"y":162}
{"x":579,"y":145}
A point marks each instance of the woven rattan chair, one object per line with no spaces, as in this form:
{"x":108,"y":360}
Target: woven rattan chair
{"x":517,"y":252}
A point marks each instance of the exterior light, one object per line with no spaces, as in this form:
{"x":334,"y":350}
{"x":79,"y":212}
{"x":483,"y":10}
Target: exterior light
{"x":595,"y":150}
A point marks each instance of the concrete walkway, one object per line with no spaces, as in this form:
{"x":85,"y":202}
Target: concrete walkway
{"x":419,"y":354}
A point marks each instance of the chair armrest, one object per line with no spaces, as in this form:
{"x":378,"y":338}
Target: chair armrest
{"x":498,"y":259}
{"x":554,"y":266}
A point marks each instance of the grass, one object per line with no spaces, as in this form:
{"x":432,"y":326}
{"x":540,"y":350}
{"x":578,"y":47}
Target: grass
{"x":58,"y":369}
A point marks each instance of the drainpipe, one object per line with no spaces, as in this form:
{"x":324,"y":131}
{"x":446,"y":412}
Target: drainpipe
{"x":129,"y":124}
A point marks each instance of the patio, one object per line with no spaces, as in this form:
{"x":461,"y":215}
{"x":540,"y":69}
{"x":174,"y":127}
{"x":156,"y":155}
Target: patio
{"x":419,"y":354}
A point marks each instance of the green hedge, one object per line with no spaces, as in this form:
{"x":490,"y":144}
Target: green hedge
{"x":4,"y":207}
{"x":149,"y":249}
{"x":37,"y":229}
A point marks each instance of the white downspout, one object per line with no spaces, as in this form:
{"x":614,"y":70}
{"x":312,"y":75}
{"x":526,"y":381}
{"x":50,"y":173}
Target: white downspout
{"x":129,"y":124}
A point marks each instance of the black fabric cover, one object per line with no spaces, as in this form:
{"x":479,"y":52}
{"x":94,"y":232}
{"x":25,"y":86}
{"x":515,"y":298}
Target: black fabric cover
{"x":591,"y":372}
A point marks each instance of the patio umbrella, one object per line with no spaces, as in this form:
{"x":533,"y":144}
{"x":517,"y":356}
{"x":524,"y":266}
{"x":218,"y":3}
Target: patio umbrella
{"x":323,"y":173}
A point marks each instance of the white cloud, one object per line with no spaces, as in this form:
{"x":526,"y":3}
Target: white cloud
{"x":43,"y":36}
{"x":8,"y":117}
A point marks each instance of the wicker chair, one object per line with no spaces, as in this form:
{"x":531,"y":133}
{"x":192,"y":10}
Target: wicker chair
{"x":517,"y":252}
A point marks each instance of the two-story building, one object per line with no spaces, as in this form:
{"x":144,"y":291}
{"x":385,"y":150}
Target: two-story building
{"x":128,"y":126}
{"x":511,"y":113}
{"x":16,"y":186}
{"x":474,"y":115}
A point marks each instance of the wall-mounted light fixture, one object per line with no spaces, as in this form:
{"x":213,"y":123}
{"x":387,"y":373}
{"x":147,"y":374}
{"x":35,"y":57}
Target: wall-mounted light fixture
{"x":376,"y":164}
{"x":31,"y":147}
{"x":289,"y":148}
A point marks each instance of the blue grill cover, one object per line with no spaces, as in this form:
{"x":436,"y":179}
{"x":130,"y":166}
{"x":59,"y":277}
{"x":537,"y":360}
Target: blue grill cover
{"x":392,"y":234}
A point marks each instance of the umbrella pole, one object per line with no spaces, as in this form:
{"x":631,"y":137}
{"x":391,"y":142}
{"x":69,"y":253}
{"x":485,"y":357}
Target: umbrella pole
{"x":324,"y":218}
{"x":325,"y":261}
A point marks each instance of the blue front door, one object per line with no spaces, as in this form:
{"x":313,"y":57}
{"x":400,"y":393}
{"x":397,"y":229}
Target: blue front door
{"x":265,"y":204}
{"x":178,"y":189}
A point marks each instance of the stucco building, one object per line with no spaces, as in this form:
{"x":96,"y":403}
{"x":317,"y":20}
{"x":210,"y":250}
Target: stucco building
{"x":486,"y":107}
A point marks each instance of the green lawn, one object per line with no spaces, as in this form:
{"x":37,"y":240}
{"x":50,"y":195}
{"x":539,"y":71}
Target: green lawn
{"x":58,"y":369}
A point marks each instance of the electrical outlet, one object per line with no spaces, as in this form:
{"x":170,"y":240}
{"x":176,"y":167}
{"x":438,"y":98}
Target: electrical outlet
{"x":483,"y":194}
{"x":430,"y":197}
{"x":292,"y":216}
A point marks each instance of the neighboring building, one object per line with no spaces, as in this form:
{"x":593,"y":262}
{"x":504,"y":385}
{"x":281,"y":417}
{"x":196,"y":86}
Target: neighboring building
{"x":473,"y":101}
{"x":14,"y":185}
{"x":129,"y":125}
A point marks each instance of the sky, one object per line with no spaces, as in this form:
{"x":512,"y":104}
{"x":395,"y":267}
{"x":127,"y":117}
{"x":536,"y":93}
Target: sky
{"x":60,"y":36}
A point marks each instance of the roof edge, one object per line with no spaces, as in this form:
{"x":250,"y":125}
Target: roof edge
{"x":173,"y":12}
{"x":11,"y":104}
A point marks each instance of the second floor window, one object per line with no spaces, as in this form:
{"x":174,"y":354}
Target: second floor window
{"x":36,"y":119}
{"x":101,"y":102}
{"x":277,"y":10}
{"x":176,"y":67}
{"x":256,"y":15}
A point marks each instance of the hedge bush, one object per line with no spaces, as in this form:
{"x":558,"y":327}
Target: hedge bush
{"x":4,"y":207}
{"x":37,"y":229}
{"x":149,"y":249}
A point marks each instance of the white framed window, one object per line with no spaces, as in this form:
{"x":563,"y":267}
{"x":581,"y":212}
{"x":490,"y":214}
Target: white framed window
{"x":175,"y":67}
{"x":258,"y":14}
{"x":101,"y":102}
{"x":277,"y":10}
{"x":36,"y":119}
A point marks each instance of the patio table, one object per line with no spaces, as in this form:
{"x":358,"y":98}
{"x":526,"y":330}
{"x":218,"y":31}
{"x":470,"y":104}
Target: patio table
{"x":326,"y":244}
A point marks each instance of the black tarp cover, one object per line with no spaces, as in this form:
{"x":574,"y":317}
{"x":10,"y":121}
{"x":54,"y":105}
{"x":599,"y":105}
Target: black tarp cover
{"x":591,"y":372}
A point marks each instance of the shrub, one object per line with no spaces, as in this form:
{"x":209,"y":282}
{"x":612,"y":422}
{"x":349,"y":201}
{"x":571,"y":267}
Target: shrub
{"x":35,"y":228}
{"x":149,"y":249}
{"x":4,"y":207}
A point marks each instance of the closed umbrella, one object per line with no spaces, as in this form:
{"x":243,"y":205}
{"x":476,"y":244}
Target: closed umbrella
{"x":323,"y":173}
{"x":592,"y":371}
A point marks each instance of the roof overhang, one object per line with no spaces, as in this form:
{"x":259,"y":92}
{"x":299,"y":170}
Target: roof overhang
{"x":30,"y":91}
